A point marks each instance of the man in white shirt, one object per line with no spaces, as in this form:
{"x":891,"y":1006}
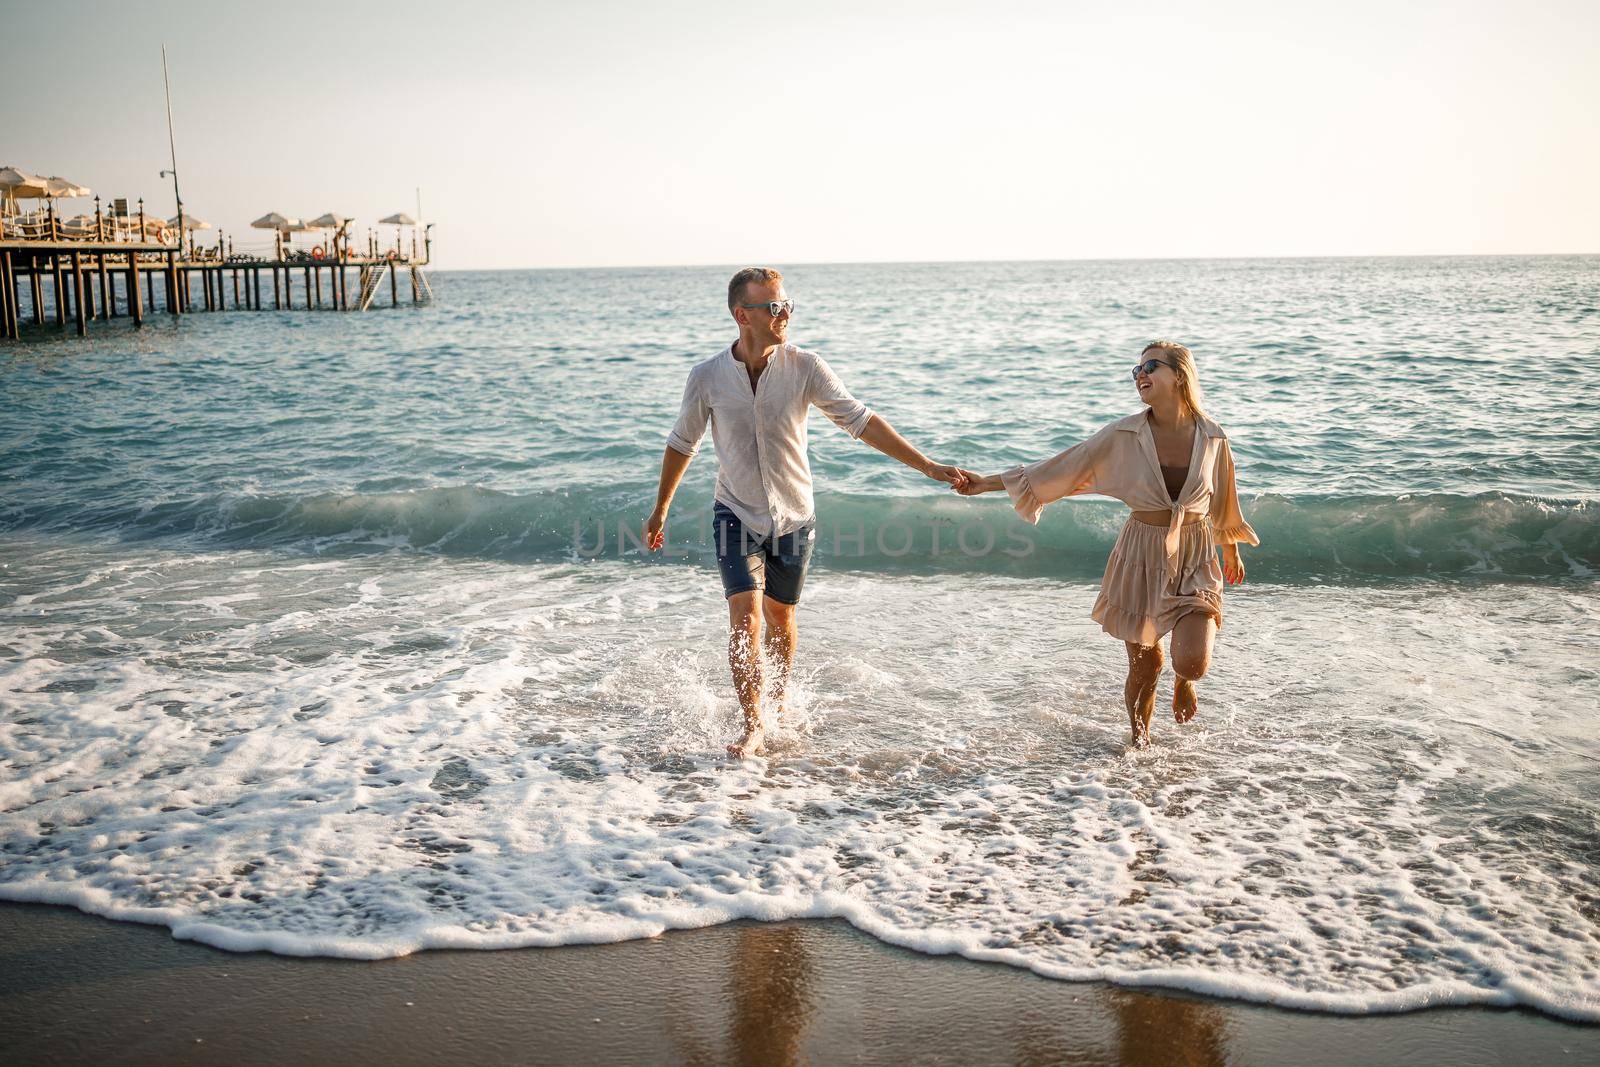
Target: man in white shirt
{"x":756,"y":394}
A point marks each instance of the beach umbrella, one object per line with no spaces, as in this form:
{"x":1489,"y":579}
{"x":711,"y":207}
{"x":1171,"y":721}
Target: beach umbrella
{"x":19,"y":184}
{"x":22,"y":183}
{"x":274,"y":221}
{"x":190,"y":223}
{"x":80,"y":226}
{"x":397,"y":220}
{"x":58,"y":188}
{"x":332,"y":222}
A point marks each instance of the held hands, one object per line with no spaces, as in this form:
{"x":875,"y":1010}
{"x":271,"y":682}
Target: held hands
{"x":972,"y":484}
{"x":1232,"y":565}
{"x":954,"y":477}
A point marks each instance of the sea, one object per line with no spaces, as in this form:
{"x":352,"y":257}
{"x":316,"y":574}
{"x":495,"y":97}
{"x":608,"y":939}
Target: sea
{"x":332,"y":635}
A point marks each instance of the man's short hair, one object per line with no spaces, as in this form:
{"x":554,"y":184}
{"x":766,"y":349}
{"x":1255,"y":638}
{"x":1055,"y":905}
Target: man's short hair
{"x":747,"y":277}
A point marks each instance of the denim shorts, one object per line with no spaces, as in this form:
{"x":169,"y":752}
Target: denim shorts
{"x":749,"y":561}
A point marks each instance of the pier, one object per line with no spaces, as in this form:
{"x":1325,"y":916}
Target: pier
{"x":131,"y":266}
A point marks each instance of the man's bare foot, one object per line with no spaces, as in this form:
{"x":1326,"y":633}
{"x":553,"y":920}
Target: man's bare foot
{"x":1184,"y":701}
{"x":753,"y":743}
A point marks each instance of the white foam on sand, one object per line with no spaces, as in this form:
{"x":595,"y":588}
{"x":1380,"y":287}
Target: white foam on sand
{"x":1388,"y":801}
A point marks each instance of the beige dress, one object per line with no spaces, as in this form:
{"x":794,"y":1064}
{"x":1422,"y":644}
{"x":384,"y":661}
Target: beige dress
{"x":1156,"y":574}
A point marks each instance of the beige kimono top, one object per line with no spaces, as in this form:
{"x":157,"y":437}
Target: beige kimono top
{"x":1120,"y":461}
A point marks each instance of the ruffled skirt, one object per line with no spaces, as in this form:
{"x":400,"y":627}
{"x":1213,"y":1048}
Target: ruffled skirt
{"x":1138,"y":602}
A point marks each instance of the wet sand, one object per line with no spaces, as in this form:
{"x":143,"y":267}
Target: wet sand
{"x":75,"y":988}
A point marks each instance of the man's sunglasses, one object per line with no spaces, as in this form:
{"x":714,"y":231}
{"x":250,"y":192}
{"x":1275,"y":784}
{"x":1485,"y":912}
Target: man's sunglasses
{"x":774,"y":307}
{"x":1149,"y":366}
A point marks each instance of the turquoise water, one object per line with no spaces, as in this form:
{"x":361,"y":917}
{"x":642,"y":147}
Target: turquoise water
{"x":324,"y":633}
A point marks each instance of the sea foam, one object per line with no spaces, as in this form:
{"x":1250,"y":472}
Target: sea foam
{"x":1386,"y":803}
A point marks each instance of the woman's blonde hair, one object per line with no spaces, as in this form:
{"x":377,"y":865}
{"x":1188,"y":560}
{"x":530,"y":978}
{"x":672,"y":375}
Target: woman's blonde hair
{"x":1181,"y":360}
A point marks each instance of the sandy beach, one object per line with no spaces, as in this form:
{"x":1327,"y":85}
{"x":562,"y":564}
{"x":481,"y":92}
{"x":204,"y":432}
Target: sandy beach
{"x":76,"y":989}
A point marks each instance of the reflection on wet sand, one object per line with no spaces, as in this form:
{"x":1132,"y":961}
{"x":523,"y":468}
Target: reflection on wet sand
{"x":761,"y":996}
{"x":1167,"y":1029}
{"x":760,"y":1014}
{"x":770,"y":987}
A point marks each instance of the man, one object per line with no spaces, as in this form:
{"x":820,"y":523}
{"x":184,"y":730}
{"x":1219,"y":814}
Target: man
{"x":756,"y":395}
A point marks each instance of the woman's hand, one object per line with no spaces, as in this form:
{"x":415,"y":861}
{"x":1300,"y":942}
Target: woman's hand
{"x":1232,"y":565}
{"x":978,"y":483}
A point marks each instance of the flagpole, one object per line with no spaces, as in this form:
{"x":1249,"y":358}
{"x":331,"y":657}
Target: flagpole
{"x":172,"y":146}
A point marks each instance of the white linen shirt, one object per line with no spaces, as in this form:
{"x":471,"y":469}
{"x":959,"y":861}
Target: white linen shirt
{"x":763,"y":474}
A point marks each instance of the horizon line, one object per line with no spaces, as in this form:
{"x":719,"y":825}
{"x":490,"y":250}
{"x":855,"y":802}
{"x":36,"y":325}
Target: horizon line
{"x":1085,"y":259}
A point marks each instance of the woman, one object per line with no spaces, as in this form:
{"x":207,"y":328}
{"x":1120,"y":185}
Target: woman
{"x":1172,"y":465}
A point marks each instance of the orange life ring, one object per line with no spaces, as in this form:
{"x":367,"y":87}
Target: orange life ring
{"x":393,"y":254}
{"x":317,"y":252}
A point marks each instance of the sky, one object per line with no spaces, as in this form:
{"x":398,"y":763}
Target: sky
{"x":605,"y":133}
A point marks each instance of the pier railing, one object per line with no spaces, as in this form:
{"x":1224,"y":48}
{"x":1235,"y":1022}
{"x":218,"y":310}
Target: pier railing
{"x":45,"y":226}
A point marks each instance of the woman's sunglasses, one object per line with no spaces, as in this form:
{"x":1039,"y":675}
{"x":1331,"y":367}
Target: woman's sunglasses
{"x":1149,"y":366}
{"x":774,"y":307}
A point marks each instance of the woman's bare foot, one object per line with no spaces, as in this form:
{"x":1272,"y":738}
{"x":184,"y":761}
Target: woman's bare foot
{"x":1141,"y":736}
{"x":753,"y":743}
{"x":1184,"y":701}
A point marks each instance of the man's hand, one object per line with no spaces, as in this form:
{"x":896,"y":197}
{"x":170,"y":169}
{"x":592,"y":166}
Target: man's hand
{"x":952,"y":476}
{"x":655,"y":530}
{"x":1232,"y":565}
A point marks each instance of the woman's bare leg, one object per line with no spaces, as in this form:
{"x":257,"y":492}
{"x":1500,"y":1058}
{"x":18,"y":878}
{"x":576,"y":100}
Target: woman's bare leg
{"x":1139,"y":692}
{"x":1191,"y":658}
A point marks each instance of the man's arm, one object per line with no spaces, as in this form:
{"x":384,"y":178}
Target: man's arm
{"x":880,"y":435}
{"x":673,"y":464}
{"x":828,"y":393}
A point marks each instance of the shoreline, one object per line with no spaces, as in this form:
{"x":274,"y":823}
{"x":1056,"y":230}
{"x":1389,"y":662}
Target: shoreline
{"x":74,"y":986}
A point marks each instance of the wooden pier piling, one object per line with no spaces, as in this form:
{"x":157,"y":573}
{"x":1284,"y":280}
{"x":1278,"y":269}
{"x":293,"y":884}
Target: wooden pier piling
{"x":38,"y":291}
{"x":84,"y":277}
{"x":172,"y":284}
{"x":105,"y":296}
{"x":9,"y":326}
{"x":77,"y":293}
{"x":135,"y":308}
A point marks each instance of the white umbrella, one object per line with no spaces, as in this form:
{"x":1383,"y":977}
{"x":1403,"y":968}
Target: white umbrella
{"x":57,"y":187}
{"x":330,"y":221}
{"x":80,"y":226}
{"x":18,"y":184}
{"x":190,"y":223}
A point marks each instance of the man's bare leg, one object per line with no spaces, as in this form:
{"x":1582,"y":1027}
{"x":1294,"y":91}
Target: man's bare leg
{"x":1191,"y":657}
{"x":744,"y":660}
{"x":1139,"y":691}
{"x":779,"y":634}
